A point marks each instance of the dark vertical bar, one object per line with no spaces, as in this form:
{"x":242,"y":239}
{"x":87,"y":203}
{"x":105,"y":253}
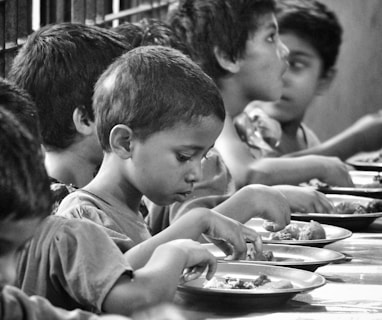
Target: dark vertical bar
{"x":24,"y":18}
{"x":78,"y":11}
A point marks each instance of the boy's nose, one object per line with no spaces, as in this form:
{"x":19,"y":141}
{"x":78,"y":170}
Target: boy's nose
{"x":284,"y":51}
{"x":195,"y":174}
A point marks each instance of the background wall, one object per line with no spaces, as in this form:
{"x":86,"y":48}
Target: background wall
{"x":357,"y":90}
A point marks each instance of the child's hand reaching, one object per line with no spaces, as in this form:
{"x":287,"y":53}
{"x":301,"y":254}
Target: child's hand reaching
{"x":231,"y":236}
{"x":305,"y":199}
{"x":196,"y":259}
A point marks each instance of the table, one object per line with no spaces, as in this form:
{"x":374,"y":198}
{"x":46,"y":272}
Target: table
{"x":353,"y":289}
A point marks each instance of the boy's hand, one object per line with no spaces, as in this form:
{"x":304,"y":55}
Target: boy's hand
{"x":197,"y":259}
{"x":232,"y":236}
{"x":306,"y":199}
{"x":334,"y":172}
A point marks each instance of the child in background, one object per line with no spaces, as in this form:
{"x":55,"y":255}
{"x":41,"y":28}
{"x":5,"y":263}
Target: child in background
{"x":25,"y":202}
{"x":93,"y":273}
{"x":58,"y":66}
{"x":247,"y":61}
{"x":313,"y":35}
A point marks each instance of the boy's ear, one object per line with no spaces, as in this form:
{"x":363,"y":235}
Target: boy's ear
{"x":82,"y":121}
{"x":326,"y":81}
{"x":120,"y":140}
{"x":226,"y":62}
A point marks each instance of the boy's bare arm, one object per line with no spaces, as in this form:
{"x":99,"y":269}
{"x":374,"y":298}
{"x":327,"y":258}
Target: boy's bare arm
{"x":157,"y":281}
{"x":363,"y":136}
{"x":272,"y":171}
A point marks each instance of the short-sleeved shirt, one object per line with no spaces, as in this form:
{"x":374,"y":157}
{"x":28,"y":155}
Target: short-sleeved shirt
{"x":72,"y":263}
{"x":115,"y":219}
{"x":16,"y":305}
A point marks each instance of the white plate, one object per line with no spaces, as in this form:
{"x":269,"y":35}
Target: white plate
{"x":333,"y":234}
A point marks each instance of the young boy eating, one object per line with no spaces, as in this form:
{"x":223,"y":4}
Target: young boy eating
{"x":137,"y":160}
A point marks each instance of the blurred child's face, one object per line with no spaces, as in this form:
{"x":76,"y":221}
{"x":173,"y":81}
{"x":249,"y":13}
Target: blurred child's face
{"x":13,"y":235}
{"x":166,"y":165}
{"x":301,"y":81}
{"x":264,"y":62}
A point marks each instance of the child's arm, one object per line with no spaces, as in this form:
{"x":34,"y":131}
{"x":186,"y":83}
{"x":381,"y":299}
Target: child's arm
{"x":157,"y":281}
{"x":363,"y":136}
{"x":271,"y":171}
{"x":231,"y":234}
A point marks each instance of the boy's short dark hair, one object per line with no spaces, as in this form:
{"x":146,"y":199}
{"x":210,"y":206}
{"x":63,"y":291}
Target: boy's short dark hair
{"x":24,"y":184}
{"x":153,"y":88}
{"x":225,"y":24}
{"x":315,"y":23}
{"x":151,"y":32}
{"x":20,"y":103}
{"x":58,"y":66}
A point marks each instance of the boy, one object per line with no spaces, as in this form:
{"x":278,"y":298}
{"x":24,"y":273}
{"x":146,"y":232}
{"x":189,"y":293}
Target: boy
{"x":25,"y":202}
{"x":83,"y":260}
{"x":58,"y":66}
{"x":313,"y":35}
{"x":237,"y":44}
{"x":129,"y":168}
{"x":154,"y":129}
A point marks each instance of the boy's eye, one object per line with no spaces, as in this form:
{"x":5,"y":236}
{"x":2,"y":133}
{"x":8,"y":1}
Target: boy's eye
{"x":272,"y":37}
{"x":296,"y":65}
{"x":182,"y":157}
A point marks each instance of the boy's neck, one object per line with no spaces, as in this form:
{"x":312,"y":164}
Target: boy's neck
{"x":69,"y":168}
{"x":111,"y":185}
{"x":234,"y":100}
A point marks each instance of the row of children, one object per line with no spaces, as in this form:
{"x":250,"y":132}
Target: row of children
{"x":128,"y":129}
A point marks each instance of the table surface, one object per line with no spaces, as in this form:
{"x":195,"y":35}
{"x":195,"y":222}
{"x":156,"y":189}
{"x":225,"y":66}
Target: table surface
{"x":353,"y":289}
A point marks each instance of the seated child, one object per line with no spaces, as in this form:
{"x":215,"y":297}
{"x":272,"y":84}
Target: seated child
{"x":153,"y":146}
{"x":247,"y":61}
{"x":25,"y":202}
{"x":312,"y":33}
{"x":58,"y":66}
{"x":156,"y":164}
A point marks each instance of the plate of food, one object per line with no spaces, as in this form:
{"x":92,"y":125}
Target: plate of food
{"x":302,"y":233}
{"x":351,"y":212}
{"x":367,"y":161}
{"x":301,"y":257}
{"x":366,"y":184}
{"x":248,"y":285}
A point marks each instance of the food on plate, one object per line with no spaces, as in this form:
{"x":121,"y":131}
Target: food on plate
{"x":377,"y":158}
{"x":252,"y":255}
{"x":262,"y":282}
{"x":311,"y":231}
{"x":354,"y":207}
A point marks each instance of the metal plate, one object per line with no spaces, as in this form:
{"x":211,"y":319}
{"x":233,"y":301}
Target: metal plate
{"x":301,"y":257}
{"x":333,"y":234}
{"x":364,"y":183}
{"x":352,"y":222}
{"x":193,"y":293}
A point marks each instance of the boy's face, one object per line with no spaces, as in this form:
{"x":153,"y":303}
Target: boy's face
{"x":13,"y":236}
{"x":166,"y":165}
{"x":302,"y":81}
{"x":264,"y":62}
